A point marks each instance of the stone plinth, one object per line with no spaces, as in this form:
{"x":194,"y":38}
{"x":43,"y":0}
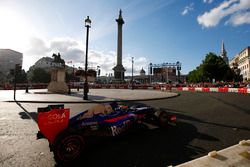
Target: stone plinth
{"x":119,"y":73}
{"x":58,"y":84}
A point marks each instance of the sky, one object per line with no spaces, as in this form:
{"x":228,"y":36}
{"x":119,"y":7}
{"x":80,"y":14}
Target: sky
{"x":158,"y":31}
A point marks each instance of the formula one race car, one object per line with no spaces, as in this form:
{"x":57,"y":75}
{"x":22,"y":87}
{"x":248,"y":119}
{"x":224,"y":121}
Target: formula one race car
{"x":67,"y":136}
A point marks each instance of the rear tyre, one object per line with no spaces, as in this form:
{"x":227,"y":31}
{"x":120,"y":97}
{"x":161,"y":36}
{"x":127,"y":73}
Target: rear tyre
{"x":163,"y":119}
{"x":68,"y":147}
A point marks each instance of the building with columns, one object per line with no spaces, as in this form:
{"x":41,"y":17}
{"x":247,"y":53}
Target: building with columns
{"x":241,"y":61}
{"x":119,"y":69}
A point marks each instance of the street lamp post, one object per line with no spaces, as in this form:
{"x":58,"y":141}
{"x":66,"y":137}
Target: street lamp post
{"x":132,"y":73}
{"x":27,"y":85}
{"x":15,"y":73}
{"x":17,"y":70}
{"x":178,"y":69}
{"x":86,"y":89}
{"x":150,"y":72}
{"x":97,"y":74}
{"x":73,"y":75}
{"x":167,"y":74}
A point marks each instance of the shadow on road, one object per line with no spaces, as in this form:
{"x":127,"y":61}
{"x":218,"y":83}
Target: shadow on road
{"x":146,"y":148}
{"x":239,"y":108}
{"x":182,"y":116}
{"x":89,"y":96}
{"x":26,"y":114}
{"x":31,"y":115}
{"x":142,"y":147}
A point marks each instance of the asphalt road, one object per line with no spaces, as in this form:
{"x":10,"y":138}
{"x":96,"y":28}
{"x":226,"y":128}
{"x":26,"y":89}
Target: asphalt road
{"x":206,"y":122}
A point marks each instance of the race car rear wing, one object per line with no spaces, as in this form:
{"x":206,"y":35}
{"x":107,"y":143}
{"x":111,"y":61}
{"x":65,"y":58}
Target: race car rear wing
{"x":52,"y":120}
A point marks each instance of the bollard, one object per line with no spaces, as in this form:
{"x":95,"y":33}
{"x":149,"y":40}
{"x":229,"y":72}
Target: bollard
{"x":69,"y":90}
{"x":27,"y":89}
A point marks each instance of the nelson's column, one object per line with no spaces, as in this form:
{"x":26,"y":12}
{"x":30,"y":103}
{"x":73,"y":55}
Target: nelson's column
{"x":119,"y":69}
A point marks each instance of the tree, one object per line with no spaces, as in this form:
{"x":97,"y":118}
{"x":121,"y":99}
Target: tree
{"x":21,"y":77}
{"x":69,"y":76}
{"x":40,"y":75}
{"x":195,"y":76}
{"x":212,"y":67}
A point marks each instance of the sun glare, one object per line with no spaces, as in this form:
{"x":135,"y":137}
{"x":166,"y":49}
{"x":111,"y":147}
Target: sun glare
{"x":14,"y":30}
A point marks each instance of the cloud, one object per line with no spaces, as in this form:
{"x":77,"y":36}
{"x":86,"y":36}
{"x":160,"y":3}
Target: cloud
{"x":141,"y":8}
{"x":73,"y":50}
{"x":187,"y":9}
{"x":239,"y":19}
{"x":36,"y":49}
{"x":132,"y":12}
{"x":37,"y":46}
{"x":139,"y":63}
{"x":230,"y":8}
{"x":208,"y":1}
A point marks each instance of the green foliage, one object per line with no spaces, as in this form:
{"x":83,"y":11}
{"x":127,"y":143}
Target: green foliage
{"x":195,"y":76}
{"x":213,"y":67}
{"x":21,"y":77}
{"x":69,"y":76}
{"x":40,"y":75}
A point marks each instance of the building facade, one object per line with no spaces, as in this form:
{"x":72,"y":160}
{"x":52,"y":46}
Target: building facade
{"x":241,"y":61}
{"x":46,"y":63}
{"x":159,"y":75}
{"x":8,"y":59}
{"x":164,"y":74}
{"x":142,"y":72}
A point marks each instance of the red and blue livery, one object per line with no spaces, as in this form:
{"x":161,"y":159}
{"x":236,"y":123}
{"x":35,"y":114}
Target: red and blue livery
{"x":67,"y":136}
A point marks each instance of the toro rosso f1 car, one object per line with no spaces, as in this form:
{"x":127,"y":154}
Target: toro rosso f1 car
{"x":67,"y":136}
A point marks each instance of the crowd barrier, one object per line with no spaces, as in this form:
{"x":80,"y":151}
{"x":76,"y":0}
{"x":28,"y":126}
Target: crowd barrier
{"x":169,"y":88}
{"x":221,"y":90}
{"x":162,"y":87}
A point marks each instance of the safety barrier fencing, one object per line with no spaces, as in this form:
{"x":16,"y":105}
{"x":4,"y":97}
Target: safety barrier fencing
{"x":162,"y":87}
{"x":169,"y":88}
{"x":221,"y":90}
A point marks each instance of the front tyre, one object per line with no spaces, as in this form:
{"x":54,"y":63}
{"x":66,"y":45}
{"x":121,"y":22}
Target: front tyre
{"x":68,"y":146}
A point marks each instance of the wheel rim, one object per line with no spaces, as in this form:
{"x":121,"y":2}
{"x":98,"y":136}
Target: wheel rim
{"x":70,"y":148}
{"x":163,"y":119}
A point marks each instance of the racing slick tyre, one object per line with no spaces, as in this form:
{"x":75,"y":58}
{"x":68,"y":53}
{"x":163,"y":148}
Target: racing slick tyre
{"x":163,"y":119}
{"x":68,"y":146}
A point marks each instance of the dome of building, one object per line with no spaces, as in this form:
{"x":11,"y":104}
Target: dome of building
{"x":142,"y":72}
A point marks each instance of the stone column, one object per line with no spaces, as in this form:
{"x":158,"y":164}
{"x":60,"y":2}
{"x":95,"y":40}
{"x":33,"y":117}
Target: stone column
{"x":120,"y":22}
{"x":119,"y":69}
